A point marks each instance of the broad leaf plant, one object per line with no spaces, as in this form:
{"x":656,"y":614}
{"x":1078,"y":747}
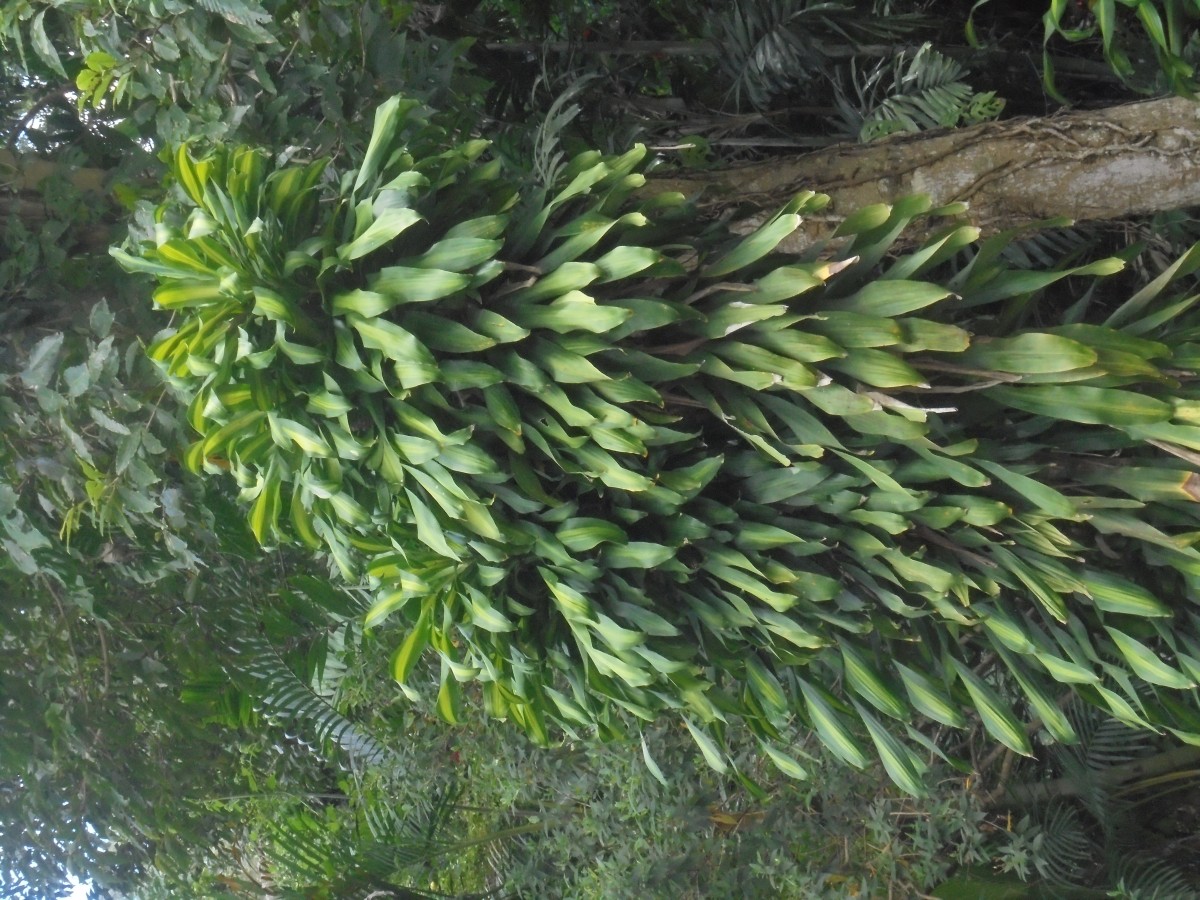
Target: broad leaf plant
{"x":608,"y":459}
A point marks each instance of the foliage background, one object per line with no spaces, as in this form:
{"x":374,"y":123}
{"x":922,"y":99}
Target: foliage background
{"x":135,"y":587}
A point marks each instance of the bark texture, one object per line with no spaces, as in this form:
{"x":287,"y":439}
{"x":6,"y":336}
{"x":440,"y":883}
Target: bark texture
{"x":1098,"y":164}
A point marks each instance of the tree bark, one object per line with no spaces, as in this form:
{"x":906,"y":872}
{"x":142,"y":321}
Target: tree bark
{"x":1099,"y":164}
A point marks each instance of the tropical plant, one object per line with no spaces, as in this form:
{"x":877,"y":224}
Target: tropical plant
{"x":716,"y":483}
{"x":1166,"y":28}
{"x":916,"y":92}
{"x":772,"y":46}
{"x":1089,"y":815}
{"x":131,"y":582}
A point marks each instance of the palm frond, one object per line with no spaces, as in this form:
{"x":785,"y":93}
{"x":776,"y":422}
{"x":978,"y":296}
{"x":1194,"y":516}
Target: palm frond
{"x":1067,"y":850}
{"x":914,"y":92}
{"x":1154,"y":880}
{"x":769,"y":47}
{"x":763,"y":55}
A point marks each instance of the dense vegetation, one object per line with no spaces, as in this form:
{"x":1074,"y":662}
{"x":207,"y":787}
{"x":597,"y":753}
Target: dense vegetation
{"x":856,"y":573}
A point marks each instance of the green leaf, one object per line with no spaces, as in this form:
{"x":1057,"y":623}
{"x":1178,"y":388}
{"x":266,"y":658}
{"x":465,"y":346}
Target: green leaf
{"x":406,"y":655}
{"x":929,"y":697}
{"x":996,"y":716}
{"x":570,"y":276}
{"x":385,"y":604}
{"x":921,"y":334}
{"x":1016,"y":282}
{"x":878,"y":368}
{"x":446,"y":335}
{"x":621,"y":262}
{"x":582,"y":534}
{"x":183,"y":294}
{"x":414,"y":364}
{"x":573,"y":311}
{"x":1043,"y":704}
{"x":386,"y":228}
{"x":785,"y":763}
{"x":286,"y":432}
{"x":1146,"y":664}
{"x":765,"y":687}
{"x":387,"y":117}
{"x":1187,"y":263}
{"x":482,"y":227}
{"x":1087,"y":405}
{"x":852,"y":330}
{"x":1066,"y":672}
{"x":890,"y":298}
{"x":484,"y":614}
{"x":43,"y":359}
{"x":449,"y":699}
{"x":44,"y":46}
{"x":903,"y":766}
{"x":754,"y":247}
{"x":867,"y":683}
{"x":1029,"y":354}
{"x":831,"y":728}
{"x":1044,"y":497}
{"x":637,"y":555}
{"x":429,"y":529}
{"x":712,"y":755}
{"x":651,"y":765}
{"x":786,"y":282}
{"x":367,"y":304}
{"x":456,"y":254}
{"x":412,"y":285}
{"x":1046,"y":595}
{"x":1007,"y":630}
{"x":865,"y":219}
{"x":264,"y":512}
{"x":1115,"y":594}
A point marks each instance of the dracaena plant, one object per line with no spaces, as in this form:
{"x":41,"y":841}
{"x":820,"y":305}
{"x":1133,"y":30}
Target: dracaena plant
{"x":607,"y":458}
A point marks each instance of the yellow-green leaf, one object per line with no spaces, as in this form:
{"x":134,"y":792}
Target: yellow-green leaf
{"x":930,"y":698}
{"x":1029,"y":354}
{"x":867,"y":683}
{"x":996,"y":716}
{"x":712,"y":755}
{"x":831,"y":728}
{"x":903,"y":766}
{"x":1146,"y":664}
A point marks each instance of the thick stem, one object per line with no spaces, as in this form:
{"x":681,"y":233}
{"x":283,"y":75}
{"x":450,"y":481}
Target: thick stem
{"x":1101,"y":164}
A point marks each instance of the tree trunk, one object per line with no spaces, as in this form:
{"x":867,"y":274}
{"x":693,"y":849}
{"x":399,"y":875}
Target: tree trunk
{"x":1099,"y":164}
{"x":21,"y":181}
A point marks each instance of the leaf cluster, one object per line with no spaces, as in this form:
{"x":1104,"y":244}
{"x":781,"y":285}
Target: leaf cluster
{"x":601,"y":455}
